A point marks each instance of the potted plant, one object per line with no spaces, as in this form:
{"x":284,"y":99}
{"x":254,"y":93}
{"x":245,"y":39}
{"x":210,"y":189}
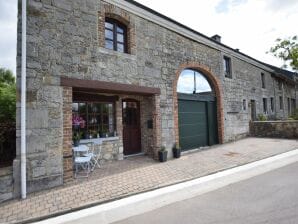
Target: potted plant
{"x":162,"y":154}
{"x":76,"y":139}
{"x":176,"y":150}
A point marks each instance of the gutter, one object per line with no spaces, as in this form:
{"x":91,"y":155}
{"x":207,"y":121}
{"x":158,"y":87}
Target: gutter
{"x":23,"y":103}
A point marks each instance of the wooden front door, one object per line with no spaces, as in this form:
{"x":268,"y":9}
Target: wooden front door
{"x":131,"y":127}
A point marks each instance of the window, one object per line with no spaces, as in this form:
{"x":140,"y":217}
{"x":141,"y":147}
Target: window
{"x":244,"y":105}
{"x":192,"y":82}
{"x":272,"y":104}
{"x":99,"y":118}
{"x":281,"y":103}
{"x":263,"y":80}
{"x":289,"y":105}
{"x":265,"y":105}
{"x":293,"y":104}
{"x":227,"y":67}
{"x":115,"y":35}
{"x":279,"y":85}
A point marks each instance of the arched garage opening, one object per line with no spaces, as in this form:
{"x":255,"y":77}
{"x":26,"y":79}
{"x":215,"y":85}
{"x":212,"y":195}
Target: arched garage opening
{"x":198,"y":111}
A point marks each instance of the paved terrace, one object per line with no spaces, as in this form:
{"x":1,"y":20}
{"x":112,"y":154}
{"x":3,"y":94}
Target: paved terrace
{"x":134,"y":175}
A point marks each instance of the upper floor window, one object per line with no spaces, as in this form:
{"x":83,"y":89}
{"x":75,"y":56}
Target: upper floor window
{"x":263,"y":80}
{"x":279,"y":85}
{"x":281,"y":103}
{"x":227,"y":67}
{"x":115,"y":35}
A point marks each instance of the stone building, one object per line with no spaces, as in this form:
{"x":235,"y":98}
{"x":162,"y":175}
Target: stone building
{"x":117,"y":65}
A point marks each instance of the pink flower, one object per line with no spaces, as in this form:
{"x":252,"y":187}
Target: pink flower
{"x":78,"y":121}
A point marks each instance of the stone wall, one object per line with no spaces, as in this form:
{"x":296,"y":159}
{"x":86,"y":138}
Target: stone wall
{"x":275,"y":129}
{"x":6,"y":184}
{"x":111,"y":150}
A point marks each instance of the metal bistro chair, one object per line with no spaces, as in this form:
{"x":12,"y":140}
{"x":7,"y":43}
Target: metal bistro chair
{"x":95,"y":154}
{"x":82,"y":163}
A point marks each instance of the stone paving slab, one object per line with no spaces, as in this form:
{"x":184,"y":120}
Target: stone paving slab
{"x":139,"y":174}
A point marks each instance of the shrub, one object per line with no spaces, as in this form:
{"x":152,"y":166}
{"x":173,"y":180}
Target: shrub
{"x":294,"y":116}
{"x":262,"y":117}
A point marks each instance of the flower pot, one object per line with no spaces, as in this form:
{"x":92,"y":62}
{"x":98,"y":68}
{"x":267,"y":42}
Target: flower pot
{"x":76,"y":142}
{"x":162,"y":156}
{"x":176,"y":152}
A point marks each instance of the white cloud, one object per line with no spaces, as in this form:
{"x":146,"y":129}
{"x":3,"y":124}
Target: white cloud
{"x":252,"y":25}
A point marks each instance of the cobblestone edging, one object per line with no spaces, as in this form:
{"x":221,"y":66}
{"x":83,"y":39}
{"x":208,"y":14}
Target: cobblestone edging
{"x":275,"y":129}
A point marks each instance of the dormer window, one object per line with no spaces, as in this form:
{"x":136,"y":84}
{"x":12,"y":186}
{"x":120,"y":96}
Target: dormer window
{"x":115,"y":35}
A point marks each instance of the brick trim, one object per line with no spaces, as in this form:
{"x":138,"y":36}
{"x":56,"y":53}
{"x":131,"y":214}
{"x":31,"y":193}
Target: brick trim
{"x":67,"y":134}
{"x":215,"y":83}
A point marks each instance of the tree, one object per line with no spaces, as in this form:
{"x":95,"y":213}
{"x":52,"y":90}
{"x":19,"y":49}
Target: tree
{"x":287,"y":50}
{"x":6,"y":77}
{"x":7,"y":96}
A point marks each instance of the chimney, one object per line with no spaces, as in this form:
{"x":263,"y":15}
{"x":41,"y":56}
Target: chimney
{"x":217,"y":38}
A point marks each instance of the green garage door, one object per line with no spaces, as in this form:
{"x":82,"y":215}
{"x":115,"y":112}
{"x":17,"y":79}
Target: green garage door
{"x":197,"y":121}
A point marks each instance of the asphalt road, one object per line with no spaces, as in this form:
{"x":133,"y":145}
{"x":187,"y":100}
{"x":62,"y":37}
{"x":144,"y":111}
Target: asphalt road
{"x":268,"y":198}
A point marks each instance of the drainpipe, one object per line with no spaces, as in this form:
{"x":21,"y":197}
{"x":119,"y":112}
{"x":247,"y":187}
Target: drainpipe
{"x":23,"y":103}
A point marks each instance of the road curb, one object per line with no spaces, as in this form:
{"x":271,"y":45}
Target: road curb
{"x":144,"y":202}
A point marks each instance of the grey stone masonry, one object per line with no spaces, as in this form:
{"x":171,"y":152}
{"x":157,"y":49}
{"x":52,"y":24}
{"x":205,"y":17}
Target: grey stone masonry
{"x":6,"y":184}
{"x":275,"y":129}
{"x":63,"y":40}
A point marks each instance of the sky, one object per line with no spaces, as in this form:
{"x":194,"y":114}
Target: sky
{"x":249,"y":25}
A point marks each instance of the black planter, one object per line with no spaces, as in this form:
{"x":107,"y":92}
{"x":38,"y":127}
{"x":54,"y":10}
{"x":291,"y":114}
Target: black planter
{"x":162,"y":156}
{"x":176,"y":152}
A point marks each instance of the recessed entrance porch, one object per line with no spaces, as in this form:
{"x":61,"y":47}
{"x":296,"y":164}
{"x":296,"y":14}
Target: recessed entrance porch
{"x":122,"y":121}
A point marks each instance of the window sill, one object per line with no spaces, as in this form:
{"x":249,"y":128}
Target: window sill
{"x":98,"y":141}
{"x":116,"y":53}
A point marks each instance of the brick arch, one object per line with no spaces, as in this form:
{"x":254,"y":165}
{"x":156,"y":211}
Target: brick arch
{"x":216,"y":86}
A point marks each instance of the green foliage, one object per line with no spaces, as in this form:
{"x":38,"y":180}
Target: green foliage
{"x":6,"y":77}
{"x":287,"y":50}
{"x":176,"y":146}
{"x":262,"y":117}
{"x":162,"y":149}
{"x":7,"y":96}
{"x":295,"y":115}
{"x":76,"y":136}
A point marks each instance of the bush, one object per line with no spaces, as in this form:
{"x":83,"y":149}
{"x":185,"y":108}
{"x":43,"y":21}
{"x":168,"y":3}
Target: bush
{"x":7,"y":96}
{"x":262,"y":117}
{"x":294,"y":116}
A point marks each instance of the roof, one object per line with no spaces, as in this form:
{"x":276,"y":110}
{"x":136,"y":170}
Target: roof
{"x":284,"y":73}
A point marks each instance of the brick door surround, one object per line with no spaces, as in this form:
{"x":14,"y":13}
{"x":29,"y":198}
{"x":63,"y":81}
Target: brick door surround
{"x":216,"y":86}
